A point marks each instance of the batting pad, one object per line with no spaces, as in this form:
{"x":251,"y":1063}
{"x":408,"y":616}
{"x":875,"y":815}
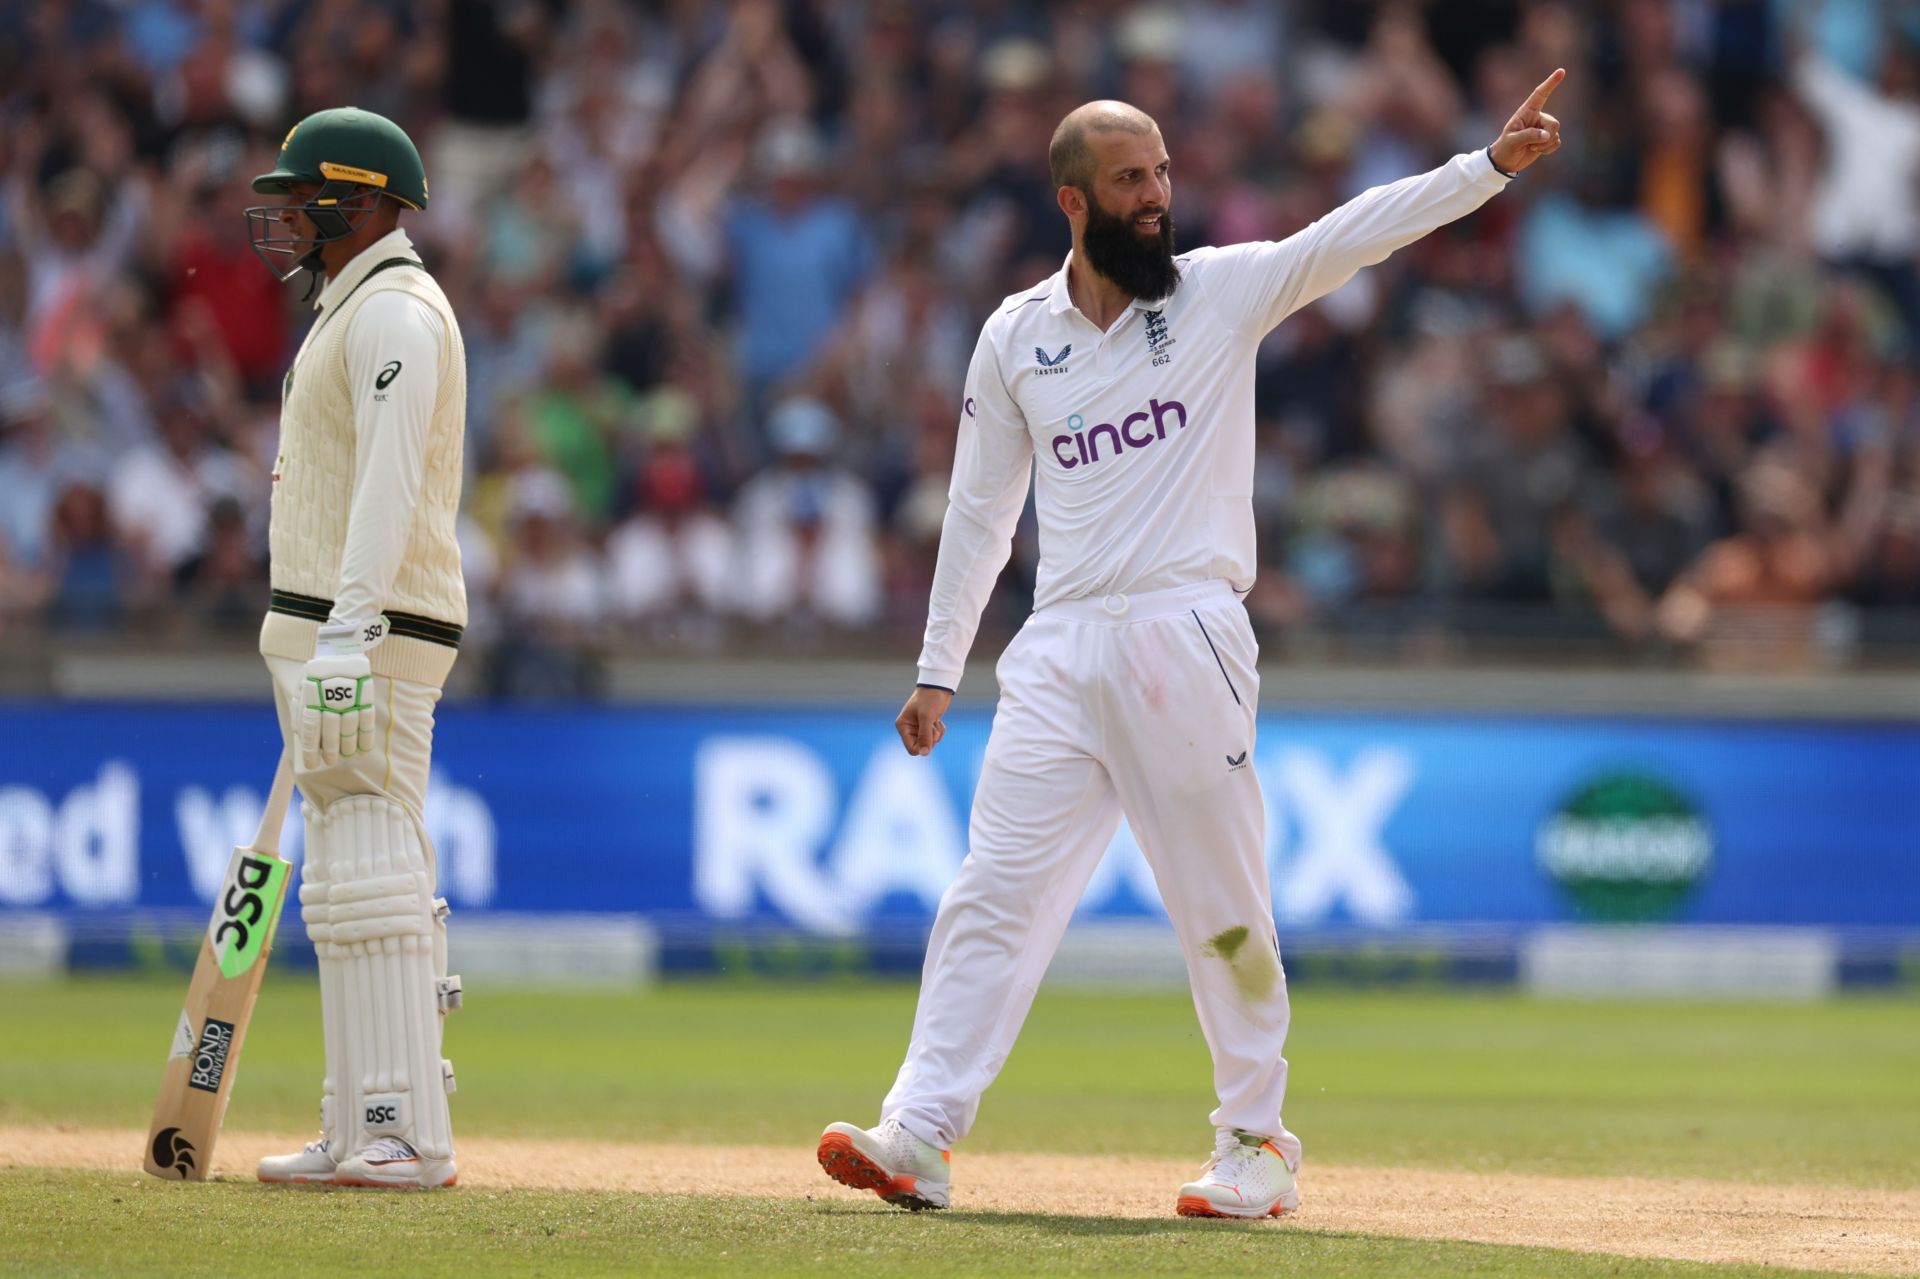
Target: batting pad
{"x":383,"y":915}
{"x":316,"y":913}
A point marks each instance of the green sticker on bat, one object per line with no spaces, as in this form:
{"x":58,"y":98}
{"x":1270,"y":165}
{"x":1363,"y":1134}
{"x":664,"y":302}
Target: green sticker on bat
{"x":248,"y":908}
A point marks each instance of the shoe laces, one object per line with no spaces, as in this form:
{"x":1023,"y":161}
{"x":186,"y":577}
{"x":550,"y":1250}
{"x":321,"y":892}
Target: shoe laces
{"x":391,"y":1148}
{"x":1231,"y":1147}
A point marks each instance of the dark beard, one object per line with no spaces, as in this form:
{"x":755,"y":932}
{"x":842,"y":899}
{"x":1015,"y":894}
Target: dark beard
{"x":1144,"y":268}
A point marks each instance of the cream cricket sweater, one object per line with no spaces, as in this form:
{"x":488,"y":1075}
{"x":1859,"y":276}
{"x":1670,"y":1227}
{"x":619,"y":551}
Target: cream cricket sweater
{"x":366,"y":487}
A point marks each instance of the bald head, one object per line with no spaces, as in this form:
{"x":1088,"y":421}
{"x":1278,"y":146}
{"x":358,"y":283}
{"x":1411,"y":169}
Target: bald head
{"x":1071,"y":156}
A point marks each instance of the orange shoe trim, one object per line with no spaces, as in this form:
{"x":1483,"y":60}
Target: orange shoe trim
{"x":1199,"y":1206}
{"x":847,"y":1164}
{"x":370,"y":1184}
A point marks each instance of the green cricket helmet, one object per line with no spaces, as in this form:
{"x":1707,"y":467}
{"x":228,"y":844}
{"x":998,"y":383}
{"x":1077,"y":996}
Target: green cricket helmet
{"x":357,"y":158}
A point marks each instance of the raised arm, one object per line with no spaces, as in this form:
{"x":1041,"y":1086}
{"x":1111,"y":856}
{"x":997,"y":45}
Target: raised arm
{"x":1258,"y":285}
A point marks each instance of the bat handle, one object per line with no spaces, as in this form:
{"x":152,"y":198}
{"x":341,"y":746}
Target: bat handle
{"x":268,"y":838}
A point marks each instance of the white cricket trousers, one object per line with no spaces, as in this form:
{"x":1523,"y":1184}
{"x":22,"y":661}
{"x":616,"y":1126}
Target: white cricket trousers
{"x":1142,"y":705}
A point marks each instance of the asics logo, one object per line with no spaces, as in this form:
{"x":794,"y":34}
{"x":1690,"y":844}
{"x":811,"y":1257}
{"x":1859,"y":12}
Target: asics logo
{"x":1081,"y":446}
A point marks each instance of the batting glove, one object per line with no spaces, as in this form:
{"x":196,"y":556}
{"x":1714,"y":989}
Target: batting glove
{"x":333,"y":706}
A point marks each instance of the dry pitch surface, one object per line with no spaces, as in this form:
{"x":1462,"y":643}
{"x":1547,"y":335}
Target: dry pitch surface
{"x":1805,"y":1227}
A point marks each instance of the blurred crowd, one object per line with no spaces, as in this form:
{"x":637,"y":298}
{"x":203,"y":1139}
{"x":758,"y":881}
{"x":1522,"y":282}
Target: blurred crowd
{"x":720,"y":266}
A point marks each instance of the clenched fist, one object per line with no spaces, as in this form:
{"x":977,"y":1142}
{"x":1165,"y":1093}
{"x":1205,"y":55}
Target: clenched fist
{"x":919,"y":723}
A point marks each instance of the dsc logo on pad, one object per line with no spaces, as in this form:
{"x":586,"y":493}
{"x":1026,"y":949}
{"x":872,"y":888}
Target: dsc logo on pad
{"x":1135,"y":431}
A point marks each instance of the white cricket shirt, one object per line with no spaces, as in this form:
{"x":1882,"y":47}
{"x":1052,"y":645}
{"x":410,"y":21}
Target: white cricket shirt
{"x":1140,"y":439}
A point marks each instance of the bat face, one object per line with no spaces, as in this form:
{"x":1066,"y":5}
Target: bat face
{"x":204,"y":1057}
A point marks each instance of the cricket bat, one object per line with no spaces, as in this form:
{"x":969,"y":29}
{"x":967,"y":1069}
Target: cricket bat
{"x":226,"y":980}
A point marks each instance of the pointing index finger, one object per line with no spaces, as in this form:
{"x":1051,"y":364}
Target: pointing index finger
{"x":1540,"y":95}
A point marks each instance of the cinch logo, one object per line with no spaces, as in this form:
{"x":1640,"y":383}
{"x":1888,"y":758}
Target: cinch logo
{"x":1083,"y":446}
{"x":210,"y":1055}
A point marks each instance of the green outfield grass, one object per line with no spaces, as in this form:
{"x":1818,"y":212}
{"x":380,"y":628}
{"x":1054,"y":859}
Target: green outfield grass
{"x":1775,"y":1093}
{"x":1784,"y":1093}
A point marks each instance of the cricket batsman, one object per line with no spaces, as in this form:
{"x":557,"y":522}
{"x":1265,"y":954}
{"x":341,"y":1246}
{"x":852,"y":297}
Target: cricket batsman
{"x":367,"y":611}
{"x":1125,"y":382}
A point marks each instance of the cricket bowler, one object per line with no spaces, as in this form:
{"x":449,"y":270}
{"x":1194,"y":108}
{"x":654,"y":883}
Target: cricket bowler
{"x":367,"y":610}
{"x":1125,"y":383}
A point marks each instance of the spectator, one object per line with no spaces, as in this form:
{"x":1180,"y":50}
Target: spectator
{"x":552,"y":596}
{"x":1750,"y":597}
{"x":1606,"y":258}
{"x":211,"y":271}
{"x":225,"y":584}
{"x":799,"y":256}
{"x":34,"y":467}
{"x":553,"y":581}
{"x":79,"y":236}
{"x":806,"y":528}
{"x":674,"y":558}
{"x":1890,"y":576}
{"x":489,"y":75}
{"x":503,"y":327}
{"x":1634,"y":538}
{"x":160,"y":495}
{"x":1866,"y":208}
{"x":1516,"y":476}
{"x":93,"y":582}
{"x":576,"y":413}
{"x":1356,"y":539}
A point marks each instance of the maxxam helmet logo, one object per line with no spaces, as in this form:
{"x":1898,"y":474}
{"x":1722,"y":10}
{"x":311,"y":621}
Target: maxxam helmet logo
{"x":1052,"y":363}
{"x":1082,"y":445}
{"x":387,"y":374}
{"x":171,"y":1150}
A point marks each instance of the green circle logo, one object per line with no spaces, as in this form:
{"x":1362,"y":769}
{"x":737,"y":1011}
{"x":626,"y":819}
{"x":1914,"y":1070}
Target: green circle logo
{"x":1626,"y":847}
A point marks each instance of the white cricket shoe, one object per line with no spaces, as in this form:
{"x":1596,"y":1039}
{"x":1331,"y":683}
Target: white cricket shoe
{"x":1247,"y":1177}
{"x":890,"y":1161}
{"x":314,"y":1163}
{"x":391,"y":1163}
